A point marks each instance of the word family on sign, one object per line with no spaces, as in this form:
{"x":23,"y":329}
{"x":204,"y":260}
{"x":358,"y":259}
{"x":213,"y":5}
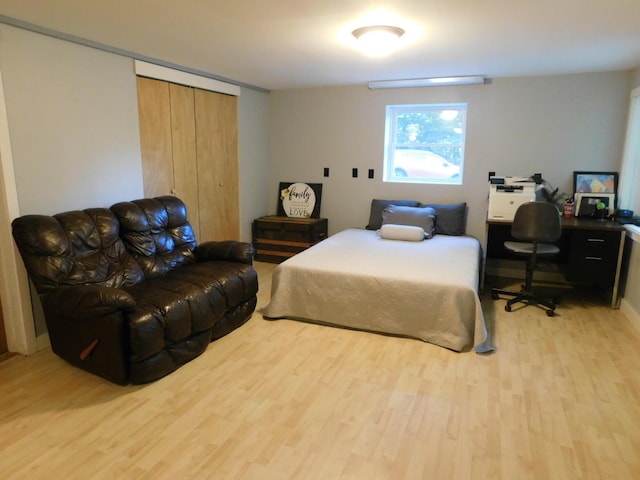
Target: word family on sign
{"x":298,"y":200}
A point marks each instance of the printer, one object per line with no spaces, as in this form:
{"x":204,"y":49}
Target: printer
{"x":506,"y":194}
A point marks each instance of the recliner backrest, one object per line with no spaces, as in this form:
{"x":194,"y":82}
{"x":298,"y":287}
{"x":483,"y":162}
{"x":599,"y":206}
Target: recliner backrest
{"x":74,"y":248}
{"x":537,"y":222}
{"x":156,"y":232}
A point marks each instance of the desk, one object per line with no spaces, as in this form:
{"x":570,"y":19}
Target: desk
{"x":590,"y":251}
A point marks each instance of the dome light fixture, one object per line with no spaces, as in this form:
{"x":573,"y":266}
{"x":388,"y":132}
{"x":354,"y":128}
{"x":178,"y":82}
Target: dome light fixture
{"x":378,"y":40}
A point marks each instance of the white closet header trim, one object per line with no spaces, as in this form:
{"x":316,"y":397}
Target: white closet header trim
{"x":151,"y":70}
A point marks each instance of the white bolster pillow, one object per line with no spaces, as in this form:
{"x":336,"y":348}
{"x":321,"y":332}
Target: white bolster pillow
{"x":410,"y":233}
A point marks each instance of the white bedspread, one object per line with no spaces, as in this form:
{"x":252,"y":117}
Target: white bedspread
{"x":425,"y":290}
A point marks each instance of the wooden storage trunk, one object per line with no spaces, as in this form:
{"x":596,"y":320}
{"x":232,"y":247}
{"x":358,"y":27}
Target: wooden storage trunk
{"x":278,"y":238}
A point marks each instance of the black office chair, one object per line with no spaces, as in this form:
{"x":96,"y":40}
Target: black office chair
{"x":536,"y":225}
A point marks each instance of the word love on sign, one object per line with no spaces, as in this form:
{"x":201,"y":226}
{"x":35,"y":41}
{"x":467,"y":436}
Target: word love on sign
{"x":301,"y":200}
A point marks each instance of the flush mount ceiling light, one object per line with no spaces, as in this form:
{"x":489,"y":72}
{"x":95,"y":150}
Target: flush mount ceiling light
{"x":378,"y":40}
{"x":428,"y":82}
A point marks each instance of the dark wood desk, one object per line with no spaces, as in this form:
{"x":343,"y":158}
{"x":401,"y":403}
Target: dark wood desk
{"x":590,"y":251}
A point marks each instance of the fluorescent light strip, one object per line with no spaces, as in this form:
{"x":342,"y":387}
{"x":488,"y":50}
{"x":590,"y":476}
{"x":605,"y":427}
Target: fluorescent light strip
{"x":428,"y":82}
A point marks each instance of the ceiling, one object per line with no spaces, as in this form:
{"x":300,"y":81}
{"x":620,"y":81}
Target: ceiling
{"x":281,"y":44}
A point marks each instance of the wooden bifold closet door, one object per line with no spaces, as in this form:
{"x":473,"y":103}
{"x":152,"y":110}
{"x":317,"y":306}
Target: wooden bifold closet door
{"x":189,"y":141}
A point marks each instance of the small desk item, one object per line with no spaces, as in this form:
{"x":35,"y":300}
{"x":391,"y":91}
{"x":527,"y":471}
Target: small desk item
{"x":585,"y":204}
{"x":590,"y":251}
{"x":277,"y":238}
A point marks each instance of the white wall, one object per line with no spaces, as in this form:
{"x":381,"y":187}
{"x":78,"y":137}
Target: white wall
{"x":253,"y":138}
{"x":516,"y":126}
{"x":73,"y":121}
{"x":635,"y":82}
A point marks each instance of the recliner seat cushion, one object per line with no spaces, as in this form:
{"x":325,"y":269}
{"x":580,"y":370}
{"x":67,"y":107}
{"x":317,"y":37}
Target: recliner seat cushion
{"x":176,"y":313}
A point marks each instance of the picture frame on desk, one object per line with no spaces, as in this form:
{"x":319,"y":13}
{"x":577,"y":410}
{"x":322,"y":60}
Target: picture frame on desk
{"x":586,"y":204}
{"x":595,"y":182}
{"x":592,"y":187}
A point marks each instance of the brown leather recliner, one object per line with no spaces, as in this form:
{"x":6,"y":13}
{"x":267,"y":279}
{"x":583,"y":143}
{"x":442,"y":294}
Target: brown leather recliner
{"x":127,"y":292}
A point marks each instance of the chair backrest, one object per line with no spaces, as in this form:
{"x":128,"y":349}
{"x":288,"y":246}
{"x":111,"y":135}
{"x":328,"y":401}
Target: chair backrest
{"x":75,"y":248}
{"x":537,"y":222}
{"x":156,"y":232}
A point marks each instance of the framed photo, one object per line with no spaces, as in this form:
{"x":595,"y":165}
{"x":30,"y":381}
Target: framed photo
{"x":595,"y":182}
{"x":586,"y":204}
{"x":297,"y":199}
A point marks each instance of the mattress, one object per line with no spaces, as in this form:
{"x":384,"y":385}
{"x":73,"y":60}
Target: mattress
{"x":425,"y":290}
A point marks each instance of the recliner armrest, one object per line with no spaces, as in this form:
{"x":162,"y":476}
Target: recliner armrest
{"x":87,"y":301}
{"x":229,"y":250}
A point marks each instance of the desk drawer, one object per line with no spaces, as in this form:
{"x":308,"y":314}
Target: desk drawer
{"x":593,"y":257}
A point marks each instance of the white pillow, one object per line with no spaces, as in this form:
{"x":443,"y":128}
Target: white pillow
{"x":410,"y":233}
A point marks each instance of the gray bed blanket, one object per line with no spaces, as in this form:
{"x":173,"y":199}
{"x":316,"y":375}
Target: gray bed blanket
{"x":425,"y":290}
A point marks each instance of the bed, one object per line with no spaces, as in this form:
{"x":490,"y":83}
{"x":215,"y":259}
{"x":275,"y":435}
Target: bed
{"x":356,"y":279}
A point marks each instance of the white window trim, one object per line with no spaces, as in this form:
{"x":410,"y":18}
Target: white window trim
{"x":633,"y":231}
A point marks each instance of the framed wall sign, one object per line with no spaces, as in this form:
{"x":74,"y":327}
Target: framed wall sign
{"x":297,"y":199}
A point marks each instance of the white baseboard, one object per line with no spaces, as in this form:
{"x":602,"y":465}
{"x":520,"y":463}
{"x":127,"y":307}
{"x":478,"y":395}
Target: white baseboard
{"x":43,"y":342}
{"x":631,"y":315}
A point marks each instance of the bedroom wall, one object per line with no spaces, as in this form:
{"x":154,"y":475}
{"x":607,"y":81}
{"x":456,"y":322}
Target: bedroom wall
{"x":67,"y":123}
{"x":72,"y":141}
{"x":635,"y":82}
{"x":253,"y":146}
{"x":516,"y":126}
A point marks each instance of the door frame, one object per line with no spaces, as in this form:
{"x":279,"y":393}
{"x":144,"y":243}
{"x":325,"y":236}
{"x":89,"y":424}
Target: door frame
{"x":14,"y":284}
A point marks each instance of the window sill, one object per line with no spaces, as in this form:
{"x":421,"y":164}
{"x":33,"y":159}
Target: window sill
{"x":633,"y":231}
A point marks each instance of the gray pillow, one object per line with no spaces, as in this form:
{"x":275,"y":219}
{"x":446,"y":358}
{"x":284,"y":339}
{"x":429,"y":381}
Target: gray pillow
{"x":377,"y":206}
{"x":451,"y":219}
{"x":424,"y":217}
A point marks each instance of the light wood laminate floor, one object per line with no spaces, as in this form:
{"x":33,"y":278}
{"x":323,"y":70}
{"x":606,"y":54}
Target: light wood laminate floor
{"x":560,"y":399}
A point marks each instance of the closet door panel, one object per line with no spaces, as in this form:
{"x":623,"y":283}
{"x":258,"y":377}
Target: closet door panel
{"x":155,"y":136}
{"x":217,"y":154}
{"x":183,"y":134}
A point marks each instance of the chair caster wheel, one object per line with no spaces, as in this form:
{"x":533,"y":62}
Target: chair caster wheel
{"x":551,"y":313}
{"x":495,"y":296}
{"x":507,"y":308}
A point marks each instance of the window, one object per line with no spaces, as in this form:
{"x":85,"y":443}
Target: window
{"x":425,"y":143}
